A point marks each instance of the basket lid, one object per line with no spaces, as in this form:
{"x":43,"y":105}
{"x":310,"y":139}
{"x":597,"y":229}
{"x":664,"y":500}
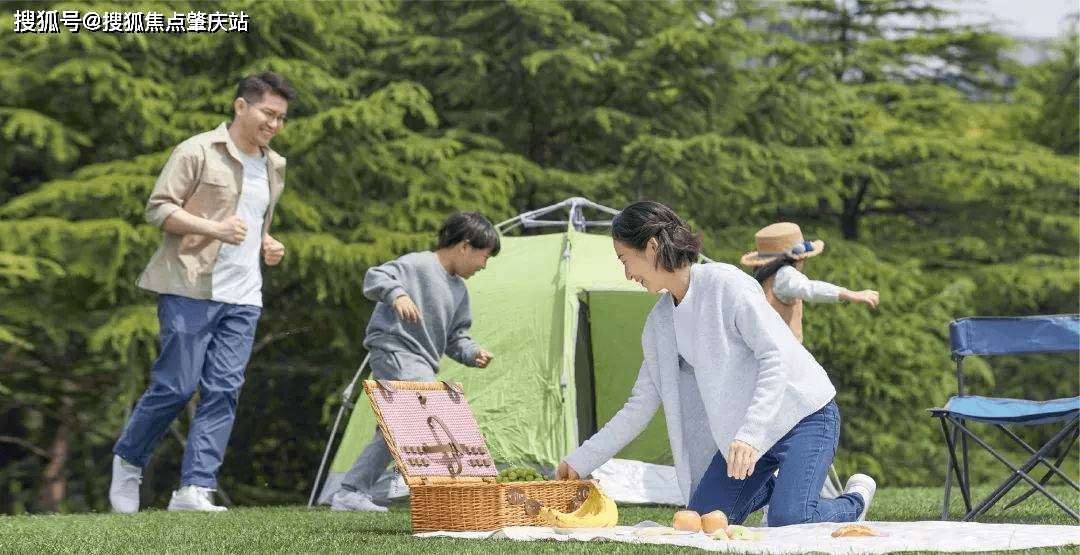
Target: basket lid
{"x":430,"y":429}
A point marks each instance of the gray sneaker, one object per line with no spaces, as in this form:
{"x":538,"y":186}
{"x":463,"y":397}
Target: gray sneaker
{"x":193,"y":498}
{"x":344,"y":500}
{"x":863,"y":486}
{"x":124,"y":490}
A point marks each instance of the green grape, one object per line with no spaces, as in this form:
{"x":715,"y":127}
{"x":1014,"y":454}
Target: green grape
{"x":519,"y":474}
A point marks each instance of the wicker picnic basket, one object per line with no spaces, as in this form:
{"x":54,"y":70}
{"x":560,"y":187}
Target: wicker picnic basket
{"x":445,"y":461}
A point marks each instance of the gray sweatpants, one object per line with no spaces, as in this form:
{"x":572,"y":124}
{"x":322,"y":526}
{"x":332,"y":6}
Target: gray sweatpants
{"x":373,"y":459}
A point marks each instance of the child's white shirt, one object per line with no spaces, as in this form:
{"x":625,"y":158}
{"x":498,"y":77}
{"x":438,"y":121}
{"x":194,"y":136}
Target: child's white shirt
{"x":791,"y":285}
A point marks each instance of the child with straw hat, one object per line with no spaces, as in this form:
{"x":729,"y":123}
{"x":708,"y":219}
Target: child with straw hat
{"x":778,"y":262}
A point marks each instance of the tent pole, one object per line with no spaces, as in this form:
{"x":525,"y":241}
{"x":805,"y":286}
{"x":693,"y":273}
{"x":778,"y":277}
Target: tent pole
{"x":575,"y":218}
{"x":346,"y":402}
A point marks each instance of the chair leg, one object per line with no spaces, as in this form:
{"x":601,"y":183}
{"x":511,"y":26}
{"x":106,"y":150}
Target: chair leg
{"x":1021,"y":473}
{"x":952,"y":468}
{"x":965,"y":461}
{"x":1054,"y":468}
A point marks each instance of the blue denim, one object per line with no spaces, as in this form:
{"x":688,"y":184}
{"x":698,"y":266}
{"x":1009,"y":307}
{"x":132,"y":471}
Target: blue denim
{"x":204,"y":345}
{"x":373,"y":460}
{"x":787,"y":478}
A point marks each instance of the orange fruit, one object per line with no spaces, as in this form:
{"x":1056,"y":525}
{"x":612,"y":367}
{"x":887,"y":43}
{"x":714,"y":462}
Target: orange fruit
{"x":687,"y":521}
{"x":713,"y":521}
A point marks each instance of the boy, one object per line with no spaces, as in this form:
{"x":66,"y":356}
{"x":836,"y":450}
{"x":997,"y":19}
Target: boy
{"x":421,"y":313}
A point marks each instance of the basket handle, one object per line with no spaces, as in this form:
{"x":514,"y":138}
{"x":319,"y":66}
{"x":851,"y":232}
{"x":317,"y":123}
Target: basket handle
{"x":452,"y":447}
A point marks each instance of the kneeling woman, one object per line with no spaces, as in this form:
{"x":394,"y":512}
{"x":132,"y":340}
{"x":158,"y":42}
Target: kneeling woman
{"x":750,"y":413}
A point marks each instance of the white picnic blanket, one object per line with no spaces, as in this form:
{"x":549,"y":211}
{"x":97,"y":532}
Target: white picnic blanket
{"x":806,"y":538}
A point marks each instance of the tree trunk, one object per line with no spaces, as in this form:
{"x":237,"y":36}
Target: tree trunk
{"x":849,"y":217}
{"x":49,"y":496}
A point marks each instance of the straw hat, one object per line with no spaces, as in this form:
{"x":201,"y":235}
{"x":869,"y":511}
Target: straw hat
{"x":784,"y":238}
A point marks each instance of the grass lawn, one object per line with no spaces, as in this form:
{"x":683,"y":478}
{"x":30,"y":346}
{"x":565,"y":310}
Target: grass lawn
{"x":299,"y":530}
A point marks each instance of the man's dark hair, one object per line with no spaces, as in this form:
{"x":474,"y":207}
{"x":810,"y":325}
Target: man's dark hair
{"x":644,"y":220}
{"x":471,"y":228}
{"x":253,"y":87}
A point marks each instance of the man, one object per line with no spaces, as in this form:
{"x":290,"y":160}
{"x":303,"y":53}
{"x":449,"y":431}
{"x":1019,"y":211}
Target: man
{"x":214,"y":200}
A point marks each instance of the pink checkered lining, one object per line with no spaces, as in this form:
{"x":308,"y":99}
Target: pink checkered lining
{"x":406,"y":420}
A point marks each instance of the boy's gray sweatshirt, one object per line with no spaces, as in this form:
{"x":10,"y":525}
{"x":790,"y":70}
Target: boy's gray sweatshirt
{"x":443,"y":300}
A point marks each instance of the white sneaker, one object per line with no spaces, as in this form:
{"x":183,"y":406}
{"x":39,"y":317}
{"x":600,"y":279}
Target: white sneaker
{"x":864,"y":486}
{"x":124,"y":490}
{"x":344,"y":500}
{"x":193,"y":498}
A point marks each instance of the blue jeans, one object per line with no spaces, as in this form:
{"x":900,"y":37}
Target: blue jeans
{"x":205,"y":345}
{"x":787,"y":478}
{"x":373,"y":460}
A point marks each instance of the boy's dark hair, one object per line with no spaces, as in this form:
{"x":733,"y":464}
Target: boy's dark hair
{"x":644,"y":220}
{"x":471,"y":228}
{"x":253,"y":87}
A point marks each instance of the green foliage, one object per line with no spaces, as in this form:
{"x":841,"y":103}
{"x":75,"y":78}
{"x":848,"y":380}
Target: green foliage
{"x":1056,"y":84}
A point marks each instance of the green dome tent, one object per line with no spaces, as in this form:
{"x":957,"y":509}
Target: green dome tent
{"x":564,"y":324}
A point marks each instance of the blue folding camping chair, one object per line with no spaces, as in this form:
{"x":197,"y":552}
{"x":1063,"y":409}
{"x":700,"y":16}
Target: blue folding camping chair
{"x":1009,"y":336}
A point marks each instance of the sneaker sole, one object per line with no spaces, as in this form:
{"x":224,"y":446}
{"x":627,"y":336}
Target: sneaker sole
{"x":182,"y":508}
{"x":382,"y":510}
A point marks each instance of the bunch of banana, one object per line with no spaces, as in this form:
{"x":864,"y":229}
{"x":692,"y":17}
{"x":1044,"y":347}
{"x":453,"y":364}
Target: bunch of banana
{"x":597,"y":511}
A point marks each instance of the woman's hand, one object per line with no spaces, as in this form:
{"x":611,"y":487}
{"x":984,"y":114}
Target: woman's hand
{"x":741,"y":460}
{"x":566,"y":472}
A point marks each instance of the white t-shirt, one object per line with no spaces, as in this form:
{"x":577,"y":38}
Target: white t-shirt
{"x":237,"y":274}
{"x":685,"y":330}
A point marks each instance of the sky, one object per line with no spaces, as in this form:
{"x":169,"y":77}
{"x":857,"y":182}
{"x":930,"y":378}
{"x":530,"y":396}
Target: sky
{"x":1022,"y":18}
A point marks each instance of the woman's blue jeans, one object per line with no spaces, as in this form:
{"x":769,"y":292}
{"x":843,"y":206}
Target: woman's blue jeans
{"x":787,"y":478}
